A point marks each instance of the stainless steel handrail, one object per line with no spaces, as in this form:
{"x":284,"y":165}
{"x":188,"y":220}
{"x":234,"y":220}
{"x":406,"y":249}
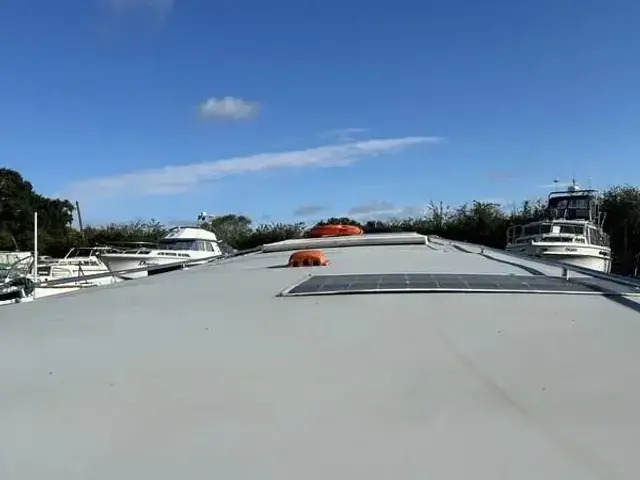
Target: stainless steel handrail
{"x":119,"y":273}
{"x":611,"y":277}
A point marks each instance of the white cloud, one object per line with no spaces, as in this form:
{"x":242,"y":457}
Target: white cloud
{"x":344,"y":134}
{"x":157,"y":7}
{"x":378,"y":206}
{"x":556,"y":185}
{"x":382,"y":210}
{"x":229,"y":107}
{"x":153,"y":13}
{"x":305,"y":210}
{"x":177,"y":179}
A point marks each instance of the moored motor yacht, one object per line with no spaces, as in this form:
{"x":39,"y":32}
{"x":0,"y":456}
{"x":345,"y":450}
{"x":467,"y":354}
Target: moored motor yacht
{"x":79,"y":262}
{"x":571,"y":231}
{"x":19,"y":284}
{"x":181,"y":244}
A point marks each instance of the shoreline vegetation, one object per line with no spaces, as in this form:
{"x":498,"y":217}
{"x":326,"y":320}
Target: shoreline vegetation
{"x":476,"y":222}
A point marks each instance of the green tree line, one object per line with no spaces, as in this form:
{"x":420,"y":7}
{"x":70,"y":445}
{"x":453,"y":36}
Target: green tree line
{"x":477,"y":222}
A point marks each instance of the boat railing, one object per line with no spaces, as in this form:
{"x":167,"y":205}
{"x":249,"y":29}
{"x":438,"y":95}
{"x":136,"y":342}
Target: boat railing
{"x":577,"y":193}
{"x":565,"y":268}
{"x":20,"y":268}
{"x":513,"y":233}
{"x":184,"y":263}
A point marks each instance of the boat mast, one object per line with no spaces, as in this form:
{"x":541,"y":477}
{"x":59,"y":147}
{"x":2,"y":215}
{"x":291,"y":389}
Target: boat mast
{"x":35,"y":252}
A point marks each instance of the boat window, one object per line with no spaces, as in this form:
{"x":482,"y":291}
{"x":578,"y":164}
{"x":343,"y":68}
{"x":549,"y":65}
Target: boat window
{"x":579,"y":203}
{"x":575,"y":229}
{"x":209,"y":247}
{"x":598,"y":237}
{"x":44,"y":271}
{"x":170,"y":244}
{"x":536,"y":229}
{"x":80,"y":252}
{"x":531,"y":230}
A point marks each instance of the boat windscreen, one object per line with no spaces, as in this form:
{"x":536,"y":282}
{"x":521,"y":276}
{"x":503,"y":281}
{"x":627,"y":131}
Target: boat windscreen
{"x":170,"y":244}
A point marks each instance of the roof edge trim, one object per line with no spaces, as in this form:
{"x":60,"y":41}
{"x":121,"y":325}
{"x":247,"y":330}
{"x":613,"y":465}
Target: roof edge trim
{"x":366,"y":240}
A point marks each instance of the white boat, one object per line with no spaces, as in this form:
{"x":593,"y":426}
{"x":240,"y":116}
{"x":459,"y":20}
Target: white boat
{"x":55,"y":276}
{"x":571,"y":232}
{"x":79,"y":262}
{"x":183,"y":243}
{"x":18,"y":284}
{"x":8,"y":259}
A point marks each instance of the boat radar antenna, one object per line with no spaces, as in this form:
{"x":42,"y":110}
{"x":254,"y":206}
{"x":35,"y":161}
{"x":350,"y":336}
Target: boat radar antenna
{"x":204,"y":216}
{"x":571,"y":186}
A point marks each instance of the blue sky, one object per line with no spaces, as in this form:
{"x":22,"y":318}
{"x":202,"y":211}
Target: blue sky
{"x":289,"y":110}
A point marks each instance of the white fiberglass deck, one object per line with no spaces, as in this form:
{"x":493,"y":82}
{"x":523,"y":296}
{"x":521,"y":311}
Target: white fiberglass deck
{"x":205,"y":373}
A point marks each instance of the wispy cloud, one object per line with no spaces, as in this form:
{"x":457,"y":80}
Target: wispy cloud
{"x":177,"y":179}
{"x":344,"y":134}
{"x":376,"y":206}
{"x":502,"y":176}
{"x":305,"y":210}
{"x":383,"y":210}
{"x":159,"y":10}
{"x":556,"y":185}
{"x":229,"y":107}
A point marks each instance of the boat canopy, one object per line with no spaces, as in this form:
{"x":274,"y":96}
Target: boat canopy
{"x":190,"y":233}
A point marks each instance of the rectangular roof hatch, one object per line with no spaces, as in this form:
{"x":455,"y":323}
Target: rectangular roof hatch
{"x":447,"y":283}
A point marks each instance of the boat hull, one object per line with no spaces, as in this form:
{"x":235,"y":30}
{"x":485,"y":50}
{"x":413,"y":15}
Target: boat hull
{"x":593,"y":257}
{"x":117,"y":263}
{"x":42,"y":292}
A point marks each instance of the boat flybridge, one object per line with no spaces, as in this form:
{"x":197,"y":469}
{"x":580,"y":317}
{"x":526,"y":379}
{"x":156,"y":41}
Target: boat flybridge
{"x":571,"y":231}
{"x":382,"y":356}
{"x":180,"y":244}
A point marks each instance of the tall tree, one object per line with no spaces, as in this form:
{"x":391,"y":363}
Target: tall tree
{"x":18,"y":202}
{"x":622,"y":208}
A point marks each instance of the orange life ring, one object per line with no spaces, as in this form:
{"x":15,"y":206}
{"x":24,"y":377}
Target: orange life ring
{"x":335,"y":231}
{"x":308,"y":258}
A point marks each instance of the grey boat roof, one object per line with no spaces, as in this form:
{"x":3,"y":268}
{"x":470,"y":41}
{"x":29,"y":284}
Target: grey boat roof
{"x":214,"y":372}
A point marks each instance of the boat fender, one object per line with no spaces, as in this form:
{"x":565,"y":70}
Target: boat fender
{"x":308,"y":258}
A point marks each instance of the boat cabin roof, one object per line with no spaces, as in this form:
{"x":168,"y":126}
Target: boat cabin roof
{"x":436,"y":359}
{"x":577,"y":192}
{"x":90,"y":251}
{"x":558,"y":221}
{"x":189,"y":233}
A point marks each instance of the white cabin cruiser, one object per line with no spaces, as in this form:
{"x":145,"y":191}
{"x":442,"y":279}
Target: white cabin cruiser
{"x":79,"y":262}
{"x":183,"y":243}
{"x":7,"y":259}
{"x":75,"y":271}
{"x":18,"y":283}
{"x":571,"y":232}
